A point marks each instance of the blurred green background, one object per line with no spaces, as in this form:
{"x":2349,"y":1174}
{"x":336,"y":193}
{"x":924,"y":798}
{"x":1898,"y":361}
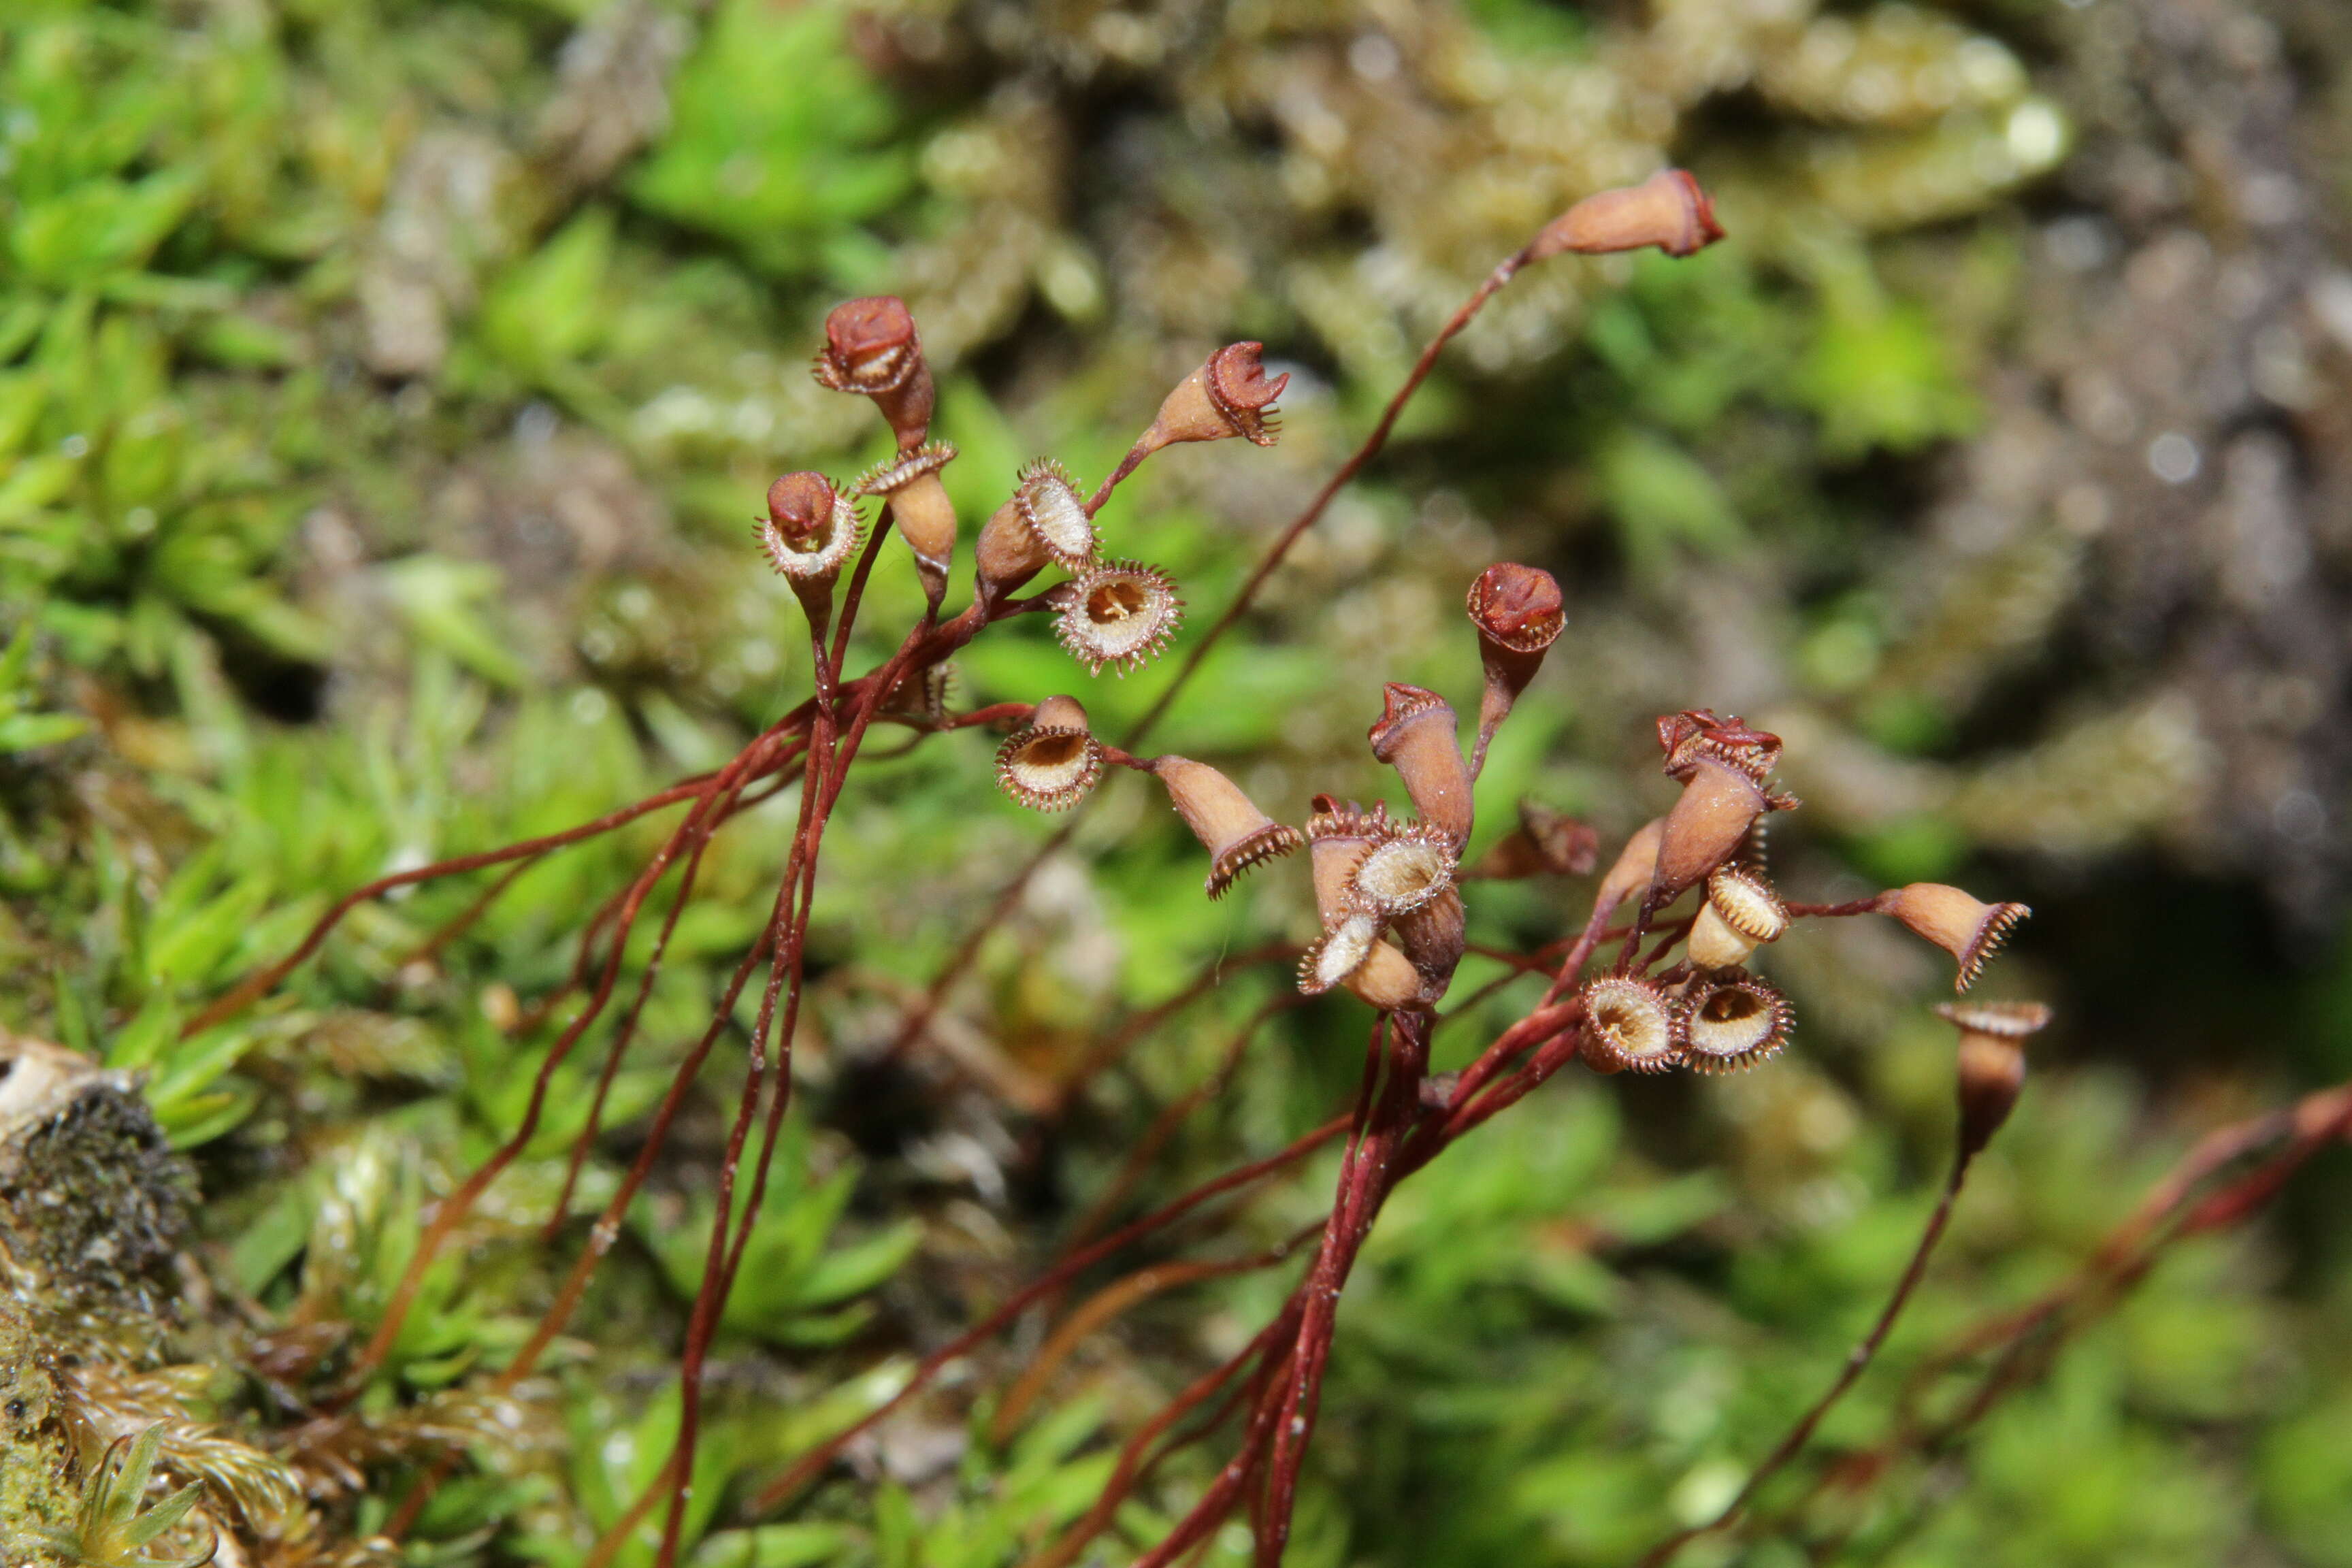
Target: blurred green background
{"x":386,"y":388}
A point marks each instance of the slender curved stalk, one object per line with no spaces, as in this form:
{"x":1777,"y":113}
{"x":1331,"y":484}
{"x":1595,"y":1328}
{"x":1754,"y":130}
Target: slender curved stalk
{"x":1857,"y":1361}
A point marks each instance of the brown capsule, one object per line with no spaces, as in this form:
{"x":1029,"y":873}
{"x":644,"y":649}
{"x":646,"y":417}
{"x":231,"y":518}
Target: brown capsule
{"x":1696,"y":732}
{"x":1007,"y":553}
{"x":1237,"y":834}
{"x":1231,"y":395}
{"x":1518,"y":613}
{"x":1339,"y":834}
{"x":1991,"y":1062}
{"x":1353,"y":955}
{"x":1388,"y":980}
{"x":1517,"y":608}
{"x":1668,"y":210}
{"x":1705,"y":827}
{"x":1635,"y":865}
{"x":1433,"y":937}
{"x":871,"y":348}
{"x":1417,"y":736}
{"x":799,"y":505}
{"x":1630,"y":1024}
{"x":808,"y":534}
{"x":919,"y":509}
{"x":1733,"y":1022}
{"x":1120,"y":613}
{"x":1060,"y":713}
{"x":1963,"y":925}
{"x":1547,"y":843}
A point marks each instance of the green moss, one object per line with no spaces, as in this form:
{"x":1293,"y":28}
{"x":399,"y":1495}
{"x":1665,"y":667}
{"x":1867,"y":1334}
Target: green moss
{"x":38,"y":1463}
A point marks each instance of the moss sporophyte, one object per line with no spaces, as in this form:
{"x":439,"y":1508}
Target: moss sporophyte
{"x":1677,"y":992}
{"x":384,"y":392}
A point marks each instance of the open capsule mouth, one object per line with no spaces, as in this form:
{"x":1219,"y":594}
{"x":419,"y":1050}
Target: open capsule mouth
{"x":1267,"y":843}
{"x":2000,"y":922}
{"x":1243,"y":394}
{"x":1747,"y":903}
{"x":2004,"y":1020}
{"x":1112,"y":603}
{"x":1338,"y":954}
{"x":1122,"y":615}
{"x":818,"y":553}
{"x":1628,"y":1025}
{"x":877,"y":370}
{"x":1735,"y":1023}
{"x":1402,"y":708}
{"x":1049,"y":504}
{"x":1049,"y":769}
{"x":870,"y":373}
{"x":1517,"y":608}
{"x":869,"y":345}
{"x":1405,"y":874}
{"x":897,"y":473}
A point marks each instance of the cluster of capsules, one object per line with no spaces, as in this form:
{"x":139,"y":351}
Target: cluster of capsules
{"x":1703,"y":1007}
{"x":1109,"y":612}
{"x":1112,"y":613}
{"x":1387,"y":886}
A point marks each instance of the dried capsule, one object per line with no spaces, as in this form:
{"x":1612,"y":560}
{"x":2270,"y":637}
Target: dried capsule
{"x":1714,"y":944}
{"x":1416,"y":735}
{"x":871,"y":348}
{"x":1747,"y":903}
{"x":1433,"y":938}
{"x":1741,"y":913}
{"x":1696,"y":732}
{"x":1547,"y":843}
{"x":1338,"y":952}
{"x":1388,"y":980}
{"x":1963,"y":925}
{"x":1339,"y":834}
{"x":1631,"y":871}
{"x":1705,"y":827}
{"x":1049,"y":503}
{"x":1352,"y":954}
{"x":1231,"y":395}
{"x":932,"y":691}
{"x":1518,"y":613}
{"x":1237,"y":835}
{"x":1991,"y":1062}
{"x":1052,"y":763}
{"x":919,"y":509}
{"x":1630,"y":1023}
{"x":1403,"y":872}
{"x":1007,"y":553}
{"x":809,"y":533}
{"x":1668,"y":210}
{"x":1120,"y":613}
{"x":1733,"y":1022}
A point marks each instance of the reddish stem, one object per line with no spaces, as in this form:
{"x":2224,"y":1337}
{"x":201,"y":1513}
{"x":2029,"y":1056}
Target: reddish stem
{"x":807,"y":1468}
